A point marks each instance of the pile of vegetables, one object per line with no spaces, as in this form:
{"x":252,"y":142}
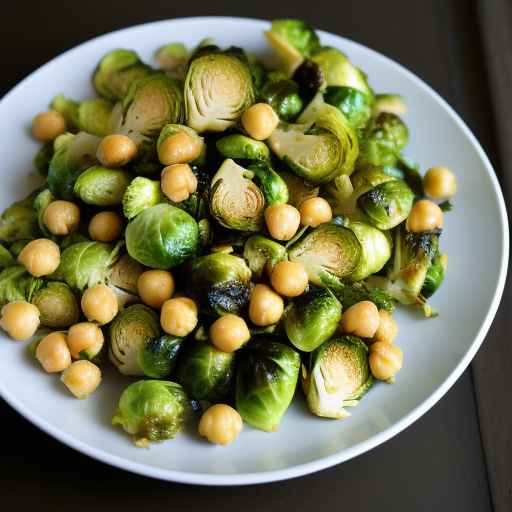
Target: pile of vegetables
{"x":221,"y":230}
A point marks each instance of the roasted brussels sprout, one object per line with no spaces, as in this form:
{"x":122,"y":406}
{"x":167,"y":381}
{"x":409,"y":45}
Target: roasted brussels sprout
{"x":355,"y":105}
{"x":350,"y":294}
{"x":17,"y":284}
{"x":101,"y":186}
{"x":242,"y":147}
{"x":152,"y":410}
{"x":94,"y":116}
{"x":6,"y":258}
{"x":125,"y":274}
{"x":260,"y":252}
{"x":283,"y":96}
{"x":267,"y":374}
{"x":312,"y":319}
{"x":218,"y":88}
{"x":19,"y":221}
{"x":68,"y":109}
{"x":116,"y":71}
{"x":157,"y":356}
{"x":435,"y":275}
{"x":57,"y":305}
{"x":131,"y":329}
{"x":338,"y":375}
{"x":274,"y":188}
{"x":319,"y":152}
{"x":173,"y":59}
{"x":309,"y":77}
{"x":235,"y":200}
{"x":392,"y":103}
{"x":141,"y":193}
{"x":299,"y":190}
{"x":162,"y":236}
{"x":220,"y":282}
{"x":205,"y":372}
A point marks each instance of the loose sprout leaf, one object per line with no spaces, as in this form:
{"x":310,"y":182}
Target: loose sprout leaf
{"x":446,"y":206}
{"x":17,"y":284}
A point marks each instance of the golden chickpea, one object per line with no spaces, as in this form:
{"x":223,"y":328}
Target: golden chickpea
{"x":259,"y":121}
{"x":178,"y":316}
{"x":266,"y":306}
{"x":388,"y":328}
{"x":440,"y":183}
{"x":20,"y":319}
{"x":99,"y":304}
{"x":179,"y":148}
{"x":61,"y":217}
{"x":106,"y":226}
{"x":178,"y":182}
{"x":315,"y":211}
{"x":40,"y":257}
{"x":155,"y":287}
{"x":385,"y":360}
{"x":81,"y":378}
{"x":282,"y":221}
{"x":289,"y":278}
{"x":53,"y":352}
{"x":229,"y":332}
{"x":47,"y":126}
{"x":85,"y":340}
{"x":425,"y":216}
{"x":116,"y":150}
{"x":361,"y":319}
{"x":220,"y":424}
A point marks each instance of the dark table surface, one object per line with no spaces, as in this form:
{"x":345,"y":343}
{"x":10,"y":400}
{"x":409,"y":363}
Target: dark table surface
{"x":439,"y":462}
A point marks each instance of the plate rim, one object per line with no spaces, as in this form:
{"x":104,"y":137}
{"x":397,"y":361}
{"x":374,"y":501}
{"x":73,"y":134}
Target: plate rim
{"x":347,"y":453}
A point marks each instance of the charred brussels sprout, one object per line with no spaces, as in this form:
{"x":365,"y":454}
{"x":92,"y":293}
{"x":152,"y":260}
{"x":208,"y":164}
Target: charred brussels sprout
{"x":205,"y":372}
{"x":310,"y":77}
{"x":274,"y":188}
{"x":435,"y":275}
{"x":218,"y":88}
{"x":141,"y":193}
{"x":338,"y":375}
{"x":260,"y":252}
{"x":131,"y":329}
{"x":162,"y":236}
{"x":153,"y":410}
{"x":19,"y":221}
{"x":355,"y":105}
{"x":283,"y":96}
{"x":242,"y":147}
{"x":157,"y":356}
{"x":173,"y":58}
{"x":220,"y":282}
{"x":57,"y":305}
{"x":312,"y":319}
{"x":267,"y":374}
{"x":17,"y":284}
{"x":101,"y":186}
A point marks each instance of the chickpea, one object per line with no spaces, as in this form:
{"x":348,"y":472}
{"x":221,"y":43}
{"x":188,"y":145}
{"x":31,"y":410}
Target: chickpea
{"x":440,"y":183}
{"x":85,"y":339}
{"x":47,"y":126}
{"x":116,"y":150}
{"x":425,"y":216}
{"x":99,"y":304}
{"x":105,"y":226}
{"x":315,"y":211}
{"x":229,"y":332}
{"x":385,"y":360}
{"x":20,"y":319}
{"x":178,"y":182}
{"x":259,"y":121}
{"x":361,"y":319}
{"x":282,"y":221}
{"x":220,"y":424}
{"x":178,"y":316}
{"x":388,"y":328}
{"x":179,"y":148}
{"x":40,"y":257}
{"x":155,"y":287}
{"x":53,"y":352}
{"x":289,"y":278}
{"x":61,"y":217}
{"x":81,"y":378}
{"x":266,"y":306}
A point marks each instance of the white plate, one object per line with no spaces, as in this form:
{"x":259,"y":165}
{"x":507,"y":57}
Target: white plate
{"x":436,"y":351}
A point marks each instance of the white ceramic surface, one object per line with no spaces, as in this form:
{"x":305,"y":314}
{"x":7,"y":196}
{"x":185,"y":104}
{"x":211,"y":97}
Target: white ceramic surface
{"x":436,"y":351}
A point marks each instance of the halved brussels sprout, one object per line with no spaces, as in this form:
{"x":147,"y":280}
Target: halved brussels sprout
{"x":68,"y":109}
{"x":205,"y":372}
{"x":130,"y":330}
{"x":172,"y":129}
{"x":218,"y":88}
{"x":116,"y":71}
{"x":43,"y":157}
{"x":274,"y":188}
{"x":85,"y":264}
{"x":355,"y":105}
{"x":17,"y":284}
{"x":220,"y":282}
{"x":162,"y":236}
{"x":298,"y":189}
{"x":327,"y":252}
{"x":283,"y":96}
{"x":94,"y":116}
{"x":242,"y":147}
{"x":173,"y":59}
{"x":235,"y":201}
{"x":319,"y":152}
{"x":350,"y":294}
{"x":153,"y":410}
{"x":157,"y":356}
{"x":125,"y":273}
{"x":267,"y":375}
{"x":260,"y":251}
{"x":141,"y":193}
{"x":338,"y":375}
{"x":102,"y":186}
{"x":312,"y":319}
{"x":392,"y":103}
{"x":73,"y":155}
{"x":435,"y":275}
{"x":19,"y":221}
{"x":57,"y":305}
{"x":6,"y":258}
